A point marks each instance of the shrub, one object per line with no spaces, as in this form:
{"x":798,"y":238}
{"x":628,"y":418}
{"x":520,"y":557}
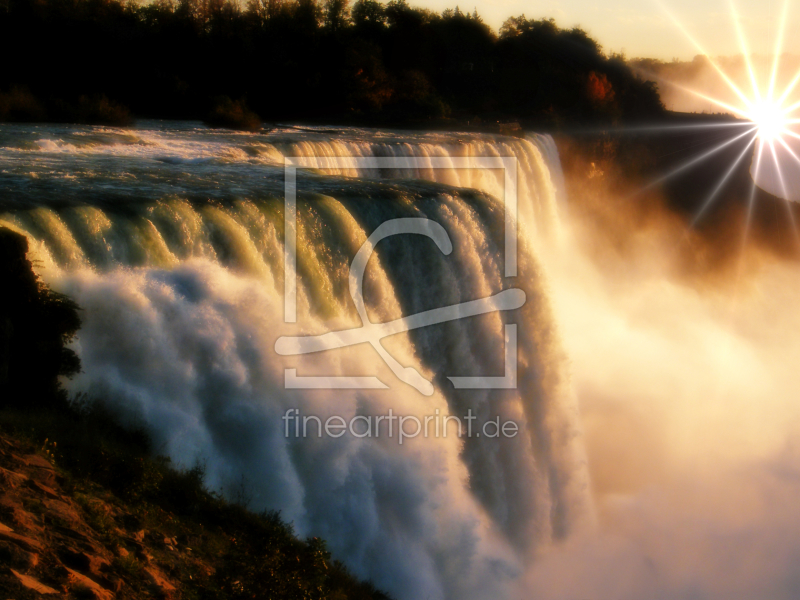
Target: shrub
{"x":91,"y":110}
{"x":233,"y":114}
{"x":19,"y":105}
{"x":99,"y":110}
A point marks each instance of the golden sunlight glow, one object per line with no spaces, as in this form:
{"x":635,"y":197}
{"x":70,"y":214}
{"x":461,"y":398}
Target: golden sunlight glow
{"x":770,"y":107}
{"x":770,"y":119}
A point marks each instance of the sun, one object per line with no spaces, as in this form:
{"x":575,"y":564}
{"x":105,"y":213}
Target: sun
{"x":770,"y":120}
{"x":767,"y":117}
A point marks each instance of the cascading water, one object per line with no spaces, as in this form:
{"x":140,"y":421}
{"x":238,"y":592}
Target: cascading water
{"x":170,"y":238}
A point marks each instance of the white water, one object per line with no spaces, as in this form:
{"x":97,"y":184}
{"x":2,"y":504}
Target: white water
{"x":171,"y":240}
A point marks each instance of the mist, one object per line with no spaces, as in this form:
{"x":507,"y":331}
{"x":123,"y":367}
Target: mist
{"x":687,"y":386}
{"x":678,"y":79}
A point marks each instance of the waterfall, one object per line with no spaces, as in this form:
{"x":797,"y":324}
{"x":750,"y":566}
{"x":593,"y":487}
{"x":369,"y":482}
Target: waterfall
{"x":172,"y":242}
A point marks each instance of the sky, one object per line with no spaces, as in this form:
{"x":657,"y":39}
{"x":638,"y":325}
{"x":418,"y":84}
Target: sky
{"x":642,"y":28}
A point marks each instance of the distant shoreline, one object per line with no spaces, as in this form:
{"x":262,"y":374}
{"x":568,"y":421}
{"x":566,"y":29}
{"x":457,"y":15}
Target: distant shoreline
{"x":492,"y":125}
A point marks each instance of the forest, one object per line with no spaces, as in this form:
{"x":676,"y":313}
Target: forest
{"x":327,"y":60}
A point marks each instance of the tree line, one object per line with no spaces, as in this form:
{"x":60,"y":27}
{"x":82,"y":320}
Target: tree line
{"x":304,"y":59}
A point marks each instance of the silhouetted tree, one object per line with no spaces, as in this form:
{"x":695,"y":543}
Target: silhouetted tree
{"x":369,"y":13}
{"x":35,"y":326}
{"x":337,"y":14}
{"x":304,"y":59}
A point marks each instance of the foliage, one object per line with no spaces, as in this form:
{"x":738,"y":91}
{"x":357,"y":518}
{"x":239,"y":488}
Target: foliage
{"x":233,"y":114}
{"x":36,"y":323}
{"x":20,"y":105}
{"x":302,"y":59}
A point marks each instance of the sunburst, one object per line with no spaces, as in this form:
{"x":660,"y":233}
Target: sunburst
{"x":767,"y":120}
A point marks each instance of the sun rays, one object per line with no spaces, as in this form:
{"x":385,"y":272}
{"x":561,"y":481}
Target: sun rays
{"x":766,"y":105}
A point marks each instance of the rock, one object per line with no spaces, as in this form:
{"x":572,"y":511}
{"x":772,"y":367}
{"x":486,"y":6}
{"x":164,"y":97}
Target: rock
{"x":13,"y":555}
{"x":130,"y":521}
{"x":79,"y":537}
{"x":21,"y":540}
{"x":25,"y":521}
{"x":12,"y":479}
{"x":78,"y":580}
{"x":95,"y":564}
{"x":46,"y":490}
{"x":62,"y":510}
{"x":159,"y":581}
{"x":82,"y":561}
{"x":32,"y":584}
{"x":139,"y":548}
{"x":5,"y":528}
{"x":122,"y":552}
{"x":34,"y":460}
{"x":18,"y":458}
{"x":48,"y":478}
{"x":139,"y":536}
